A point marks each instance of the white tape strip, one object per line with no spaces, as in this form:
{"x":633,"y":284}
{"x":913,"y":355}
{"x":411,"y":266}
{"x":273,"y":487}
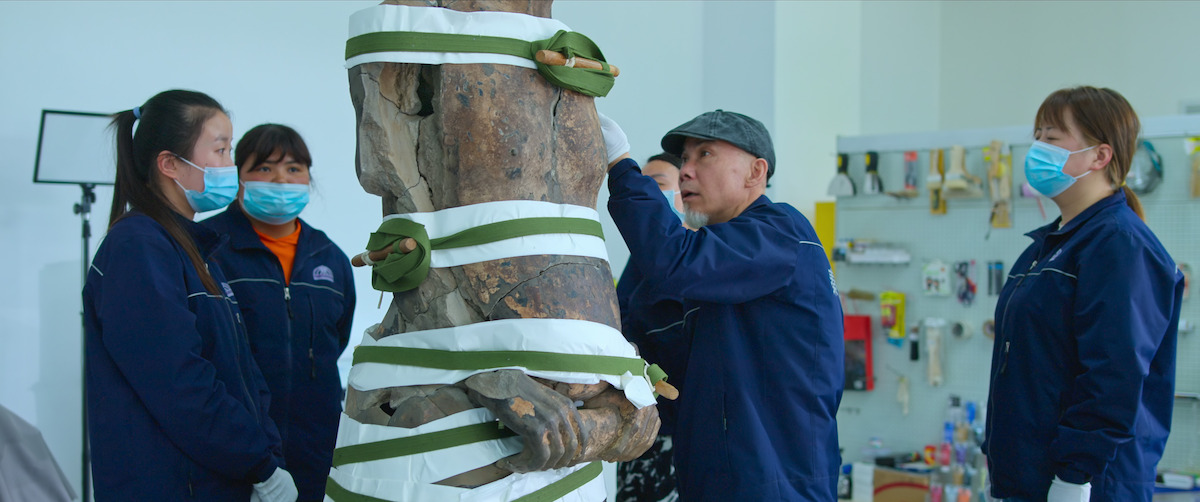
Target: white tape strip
{"x":562,"y":336}
{"x":441,"y":20}
{"x":456,"y":219}
{"x":426,"y":467}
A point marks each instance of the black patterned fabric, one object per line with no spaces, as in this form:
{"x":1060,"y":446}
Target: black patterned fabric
{"x":649,"y":478}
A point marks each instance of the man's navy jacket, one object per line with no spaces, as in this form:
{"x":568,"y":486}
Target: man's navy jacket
{"x":757,"y":412}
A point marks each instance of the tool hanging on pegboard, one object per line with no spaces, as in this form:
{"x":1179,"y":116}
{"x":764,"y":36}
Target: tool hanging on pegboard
{"x":995,"y":277}
{"x":937,"y":170}
{"x":1193,"y":149}
{"x":999,"y":162}
{"x":842,"y":185}
{"x":965,"y":270}
{"x":872,"y":183}
{"x":910,"y":177}
{"x":958,"y":183}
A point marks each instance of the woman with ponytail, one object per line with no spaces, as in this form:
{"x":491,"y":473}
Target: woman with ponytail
{"x":1083,"y":368}
{"x":177,"y":408}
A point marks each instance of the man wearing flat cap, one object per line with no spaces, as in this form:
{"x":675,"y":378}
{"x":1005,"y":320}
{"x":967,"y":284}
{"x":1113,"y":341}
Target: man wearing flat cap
{"x":757,"y":414}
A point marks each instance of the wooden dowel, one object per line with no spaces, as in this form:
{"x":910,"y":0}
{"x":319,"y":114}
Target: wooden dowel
{"x":556,"y":59}
{"x":666,"y":390}
{"x":404,"y":246}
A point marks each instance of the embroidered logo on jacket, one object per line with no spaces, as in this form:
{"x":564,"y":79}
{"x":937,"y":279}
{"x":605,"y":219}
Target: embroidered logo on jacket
{"x":228,"y":290}
{"x":322,"y":273}
{"x":1055,"y":255}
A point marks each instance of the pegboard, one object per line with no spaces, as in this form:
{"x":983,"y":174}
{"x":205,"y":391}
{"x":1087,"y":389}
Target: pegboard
{"x":964,"y":234}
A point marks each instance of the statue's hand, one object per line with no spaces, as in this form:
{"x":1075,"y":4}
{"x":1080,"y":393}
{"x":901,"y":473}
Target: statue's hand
{"x":626,"y":431}
{"x":545,"y":419}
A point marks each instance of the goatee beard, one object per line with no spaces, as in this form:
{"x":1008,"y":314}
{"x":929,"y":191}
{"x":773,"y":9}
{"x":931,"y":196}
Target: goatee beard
{"x":695,"y":220}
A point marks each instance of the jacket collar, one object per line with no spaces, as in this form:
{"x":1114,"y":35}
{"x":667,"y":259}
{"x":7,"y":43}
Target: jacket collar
{"x":207,"y":241}
{"x":1118,"y":197}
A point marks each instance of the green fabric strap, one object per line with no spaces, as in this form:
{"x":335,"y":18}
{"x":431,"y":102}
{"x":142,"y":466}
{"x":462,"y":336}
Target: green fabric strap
{"x":582,"y":80}
{"x":567,"y":484}
{"x":571,"y":44}
{"x":338,"y":494}
{"x":423,"y":443}
{"x":399,"y":271}
{"x":412,"y":41}
{"x":500,"y":230}
{"x":482,"y":360}
{"x":548,"y":493}
{"x":403,"y":272}
{"x":655,"y":373}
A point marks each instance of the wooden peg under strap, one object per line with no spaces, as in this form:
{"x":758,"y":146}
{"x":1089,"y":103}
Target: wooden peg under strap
{"x":552,"y":58}
{"x":666,"y":390}
{"x":403,"y":246}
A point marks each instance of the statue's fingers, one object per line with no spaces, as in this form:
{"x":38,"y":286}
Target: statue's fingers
{"x":570,"y":445}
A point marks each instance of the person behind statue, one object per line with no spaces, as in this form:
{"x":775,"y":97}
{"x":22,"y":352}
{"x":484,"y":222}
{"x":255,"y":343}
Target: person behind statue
{"x":652,"y":320}
{"x":1083,"y":369}
{"x":296,"y":294}
{"x":757,"y":416}
{"x":177,"y":408}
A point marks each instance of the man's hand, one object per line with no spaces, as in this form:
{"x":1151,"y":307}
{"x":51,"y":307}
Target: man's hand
{"x":616,"y":143}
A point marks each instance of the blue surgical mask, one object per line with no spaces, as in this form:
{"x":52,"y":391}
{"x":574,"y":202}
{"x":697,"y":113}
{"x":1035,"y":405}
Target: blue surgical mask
{"x":220,"y":187}
{"x":670,"y":195}
{"x":1044,"y":168}
{"x":274,"y":203}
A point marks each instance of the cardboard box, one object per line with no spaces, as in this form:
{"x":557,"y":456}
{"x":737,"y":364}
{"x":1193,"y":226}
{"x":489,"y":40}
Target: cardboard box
{"x":893,"y":485}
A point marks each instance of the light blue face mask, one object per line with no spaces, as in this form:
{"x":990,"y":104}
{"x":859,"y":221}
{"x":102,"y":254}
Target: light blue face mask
{"x":670,"y":195}
{"x":220,"y":187}
{"x":1044,"y":168}
{"x":274,"y":203}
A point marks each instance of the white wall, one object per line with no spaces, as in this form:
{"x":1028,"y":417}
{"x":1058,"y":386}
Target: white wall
{"x":1001,"y":59}
{"x":817,"y":94}
{"x":265,"y":61}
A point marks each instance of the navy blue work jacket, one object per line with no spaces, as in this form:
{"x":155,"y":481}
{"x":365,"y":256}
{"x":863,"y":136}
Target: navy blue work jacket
{"x":1083,"y":369}
{"x":297,"y":331}
{"x":757,"y":417}
{"x":653,"y":320}
{"x":177,"y":409}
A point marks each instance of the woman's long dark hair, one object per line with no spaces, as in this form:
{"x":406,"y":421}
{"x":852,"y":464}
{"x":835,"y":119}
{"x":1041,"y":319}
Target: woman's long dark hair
{"x":170,"y":121}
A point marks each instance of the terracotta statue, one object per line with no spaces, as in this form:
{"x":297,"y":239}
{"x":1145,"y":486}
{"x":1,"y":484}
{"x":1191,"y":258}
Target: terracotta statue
{"x":438,"y":136}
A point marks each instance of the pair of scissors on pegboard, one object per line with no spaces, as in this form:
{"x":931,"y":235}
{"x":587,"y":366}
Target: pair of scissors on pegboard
{"x":966,"y":289}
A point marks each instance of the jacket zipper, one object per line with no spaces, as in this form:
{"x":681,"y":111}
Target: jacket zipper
{"x":1007,"y":345}
{"x":237,"y":354}
{"x":312,"y":330}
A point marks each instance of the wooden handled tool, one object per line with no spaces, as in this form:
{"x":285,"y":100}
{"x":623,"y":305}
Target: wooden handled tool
{"x":404,"y":246}
{"x":666,"y":390}
{"x":556,"y":59}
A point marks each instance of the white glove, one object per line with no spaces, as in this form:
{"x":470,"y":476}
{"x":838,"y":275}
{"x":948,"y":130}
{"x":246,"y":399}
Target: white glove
{"x":1062,"y":491}
{"x":278,"y":488}
{"x":615,"y":141}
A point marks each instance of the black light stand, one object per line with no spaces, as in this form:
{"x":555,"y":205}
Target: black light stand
{"x":84,"y":210}
{"x":72,"y":150}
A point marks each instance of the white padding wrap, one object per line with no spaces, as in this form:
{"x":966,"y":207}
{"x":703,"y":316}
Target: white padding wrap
{"x":426,"y":467}
{"x":512,"y":487}
{"x":562,"y":336}
{"x":456,"y":219}
{"x":439,"y":20}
